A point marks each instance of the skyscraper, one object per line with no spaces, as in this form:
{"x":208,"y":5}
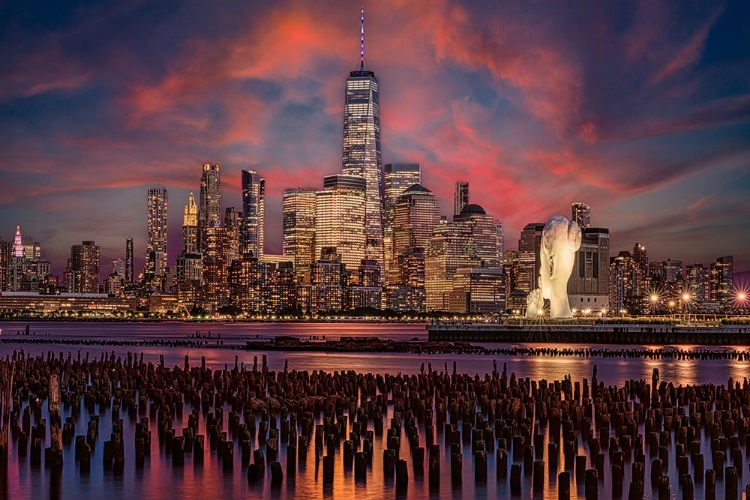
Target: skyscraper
{"x":581,"y":214}
{"x":299,"y":230}
{"x":233,"y":222}
{"x":529,"y":262}
{"x":698,"y":282}
{"x":156,"y":243}
{"x":500,"y":249}
{"x":18,"y":249}
{"x":483,"y":234}
{"x":398,"y":178}
{"x":588,"y":285}
{"x":209,"y":211}
{"x":361,"y":152}
{"x":84,"y":267}
{"x":722,"y":276}
{"x":415,"y":216}
{"x":460,"y":197}
{"x":451,"y":248}
{"x":253,"y":213}
{"x":190,"y":226}
{"x":129,"y":260}
{"x":340,"y":219}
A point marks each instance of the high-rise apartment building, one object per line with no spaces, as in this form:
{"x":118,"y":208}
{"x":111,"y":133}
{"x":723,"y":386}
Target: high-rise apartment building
{"x":156,"y":243}
{"x":623,"y":283}
{"x":581,"y":214}
{"x":253,"y":213}
{"x":528,"y":260}
{"x":298,"y":209}
{"x":722,"y":276}
{"x":361,"y":152}
{"x":190,"y":226}
{"x":209,"y":209}
{"x":698,"y":282}
{"x":129,"y":260}
{"x":640,"y":256}
{"x":340,"y":216}
{"x":84,"y":268}
{"x":500,"y":249}
{"x":233,"y":224}
{"x":460,"y":197}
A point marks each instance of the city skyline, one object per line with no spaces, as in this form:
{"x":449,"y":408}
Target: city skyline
{"x":679,"y":183}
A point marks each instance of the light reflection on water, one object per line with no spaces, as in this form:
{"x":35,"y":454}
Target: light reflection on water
{"x":159,"y":479}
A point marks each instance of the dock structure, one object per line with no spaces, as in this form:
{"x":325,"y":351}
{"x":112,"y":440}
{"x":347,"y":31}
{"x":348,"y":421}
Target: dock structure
{"x":591,"y":333}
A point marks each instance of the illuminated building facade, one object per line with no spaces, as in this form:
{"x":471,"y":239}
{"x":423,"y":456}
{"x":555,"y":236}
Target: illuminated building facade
{"x":209,"y":209}
{"x":156,"y":243}
{"x":460,"y":197}
{"x":451,"y":248}
{"x":623,"y":283}
{"x":581,"y":214}
{"x":233,"y":222}
{"x":368,"y":293}
{"x":588,"y":286}
{"x":722,"y":276}
{"x":129,"y":260}
{"x":415,"y":216}
{"x":328,"y":282}
{"x":478,"y":291}
{"x":190,"y":226}
{"x":698,"y":282}
{"x":299,"y":230}
{"x":215,"y":270}
{"x":361,"y":151}
{"x":500,"y":249}
{"x":340,"y":216}
{"x":84,"y":268}
{"x":398,"y":178}
{"x":528,"y":261}
{"x":253,"y":213}
{"x":483,"y":232}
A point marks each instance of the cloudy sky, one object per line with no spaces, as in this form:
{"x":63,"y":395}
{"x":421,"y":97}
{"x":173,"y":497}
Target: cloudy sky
{"x":641,"y":109}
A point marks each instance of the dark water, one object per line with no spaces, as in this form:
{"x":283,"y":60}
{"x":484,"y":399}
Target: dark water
{"x":159,"y":479}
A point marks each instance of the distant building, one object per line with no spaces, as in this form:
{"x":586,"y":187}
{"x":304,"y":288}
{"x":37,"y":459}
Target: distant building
{"x":156,"y":243}
{"x":452,"y":247}
{"x":253,"y":213}
{"x":84,"y":268}
{"x":528,"y":259}
{"x":460,"y":197}
{"x":328,"y":282}
{"x":299,"y":230}
{"x":340,"y":219}
{"x":588,"y":286}
{"x":623,"y":283}
{"x":209,"y":208}
{"x":722,"y":275}
{"x":581,"y":214}
{"x":478,"y":291}
{"x":361,"y":151}
{"x":698,"y":282}
{"x":398,"y":178}
{"x":190,"y":226}
{"x":483,"y":233}
{"x":129,"y":259}
{"x":94,"y":303}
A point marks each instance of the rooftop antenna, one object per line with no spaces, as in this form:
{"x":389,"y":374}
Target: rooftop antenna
{"x":362,"y":41}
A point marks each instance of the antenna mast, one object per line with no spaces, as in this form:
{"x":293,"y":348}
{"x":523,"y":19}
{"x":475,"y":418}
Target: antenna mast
{"x":362,"y":41}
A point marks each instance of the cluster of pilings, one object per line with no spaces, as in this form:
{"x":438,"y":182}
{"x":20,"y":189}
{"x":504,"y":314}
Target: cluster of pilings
{"x":580,"y":438}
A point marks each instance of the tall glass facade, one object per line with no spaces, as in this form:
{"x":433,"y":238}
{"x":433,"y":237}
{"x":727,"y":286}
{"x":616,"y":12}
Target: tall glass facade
{"x":209,"y":211}
{"x":156,"y":244}
{"x":299,"y":230}
{"x":340,"y":220}
{"x":361,"y":152}
{"x":253,"y":213}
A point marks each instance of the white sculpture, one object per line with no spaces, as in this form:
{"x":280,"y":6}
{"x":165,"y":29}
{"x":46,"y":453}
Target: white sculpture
{"x":561,"y":239}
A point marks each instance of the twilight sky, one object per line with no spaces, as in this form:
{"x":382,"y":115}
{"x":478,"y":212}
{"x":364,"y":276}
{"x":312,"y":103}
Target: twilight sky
{"x":640,"y":109}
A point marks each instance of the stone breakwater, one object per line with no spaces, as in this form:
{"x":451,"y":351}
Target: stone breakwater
{"x":574,"y":437}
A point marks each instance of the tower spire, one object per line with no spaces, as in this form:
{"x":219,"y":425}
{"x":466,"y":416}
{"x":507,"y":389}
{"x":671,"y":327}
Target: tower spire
{"x":362,"y":41}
